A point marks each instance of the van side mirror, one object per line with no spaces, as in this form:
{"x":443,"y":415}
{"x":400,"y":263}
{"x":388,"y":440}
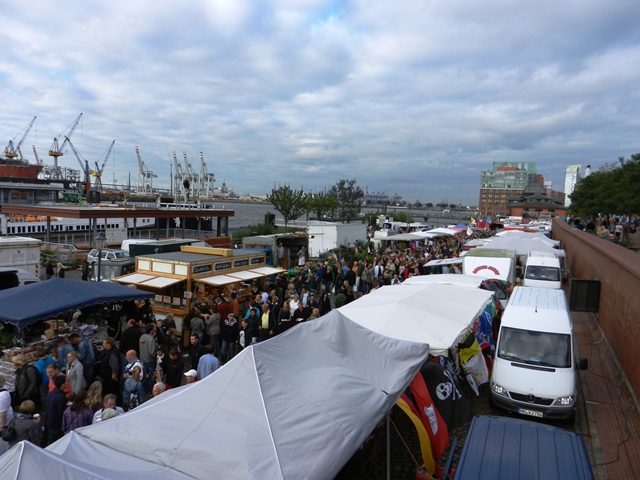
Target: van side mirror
{"x":583,"y":363}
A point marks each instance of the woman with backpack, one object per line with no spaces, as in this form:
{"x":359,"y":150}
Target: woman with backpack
{"x":27,"y":381}
{"x":133,"y":390}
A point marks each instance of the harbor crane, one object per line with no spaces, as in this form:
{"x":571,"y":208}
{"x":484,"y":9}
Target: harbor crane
{"x":56,"y":149}
{"x":13,"y":152}
{"x":178,"y":177}
{"x":190,"y":175}
{"x":97,"y":173}
{"x":145,"y":177}
{"x":206,"y":180}
{"x":84,"y":166}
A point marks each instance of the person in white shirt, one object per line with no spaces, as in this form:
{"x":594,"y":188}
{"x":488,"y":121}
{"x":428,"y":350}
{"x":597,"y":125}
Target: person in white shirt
{"x":6,"y":412}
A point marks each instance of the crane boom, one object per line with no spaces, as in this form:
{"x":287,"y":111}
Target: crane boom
{"x":12,"y":151}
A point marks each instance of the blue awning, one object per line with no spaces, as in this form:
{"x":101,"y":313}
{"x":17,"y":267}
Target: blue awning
{"x":22,"y":306}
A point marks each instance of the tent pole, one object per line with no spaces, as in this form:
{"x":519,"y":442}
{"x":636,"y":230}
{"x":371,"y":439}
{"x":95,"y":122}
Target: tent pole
{"x":388,"y":448}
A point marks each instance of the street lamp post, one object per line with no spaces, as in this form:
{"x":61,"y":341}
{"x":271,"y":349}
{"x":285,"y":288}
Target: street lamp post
{"x":100,"y":240}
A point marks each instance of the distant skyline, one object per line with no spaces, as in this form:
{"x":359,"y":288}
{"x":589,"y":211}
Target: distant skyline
{"x":410,"y":98}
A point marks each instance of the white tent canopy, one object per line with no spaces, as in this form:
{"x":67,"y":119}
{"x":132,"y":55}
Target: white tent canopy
{"x":523,"y":246}
{"x":527,"y":235}
{"x":434,"y":314}
{"x":473,"y":281}
{"x":296,"y":406}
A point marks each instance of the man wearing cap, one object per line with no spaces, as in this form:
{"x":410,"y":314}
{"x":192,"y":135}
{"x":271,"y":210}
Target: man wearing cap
{"x":191,"y":376}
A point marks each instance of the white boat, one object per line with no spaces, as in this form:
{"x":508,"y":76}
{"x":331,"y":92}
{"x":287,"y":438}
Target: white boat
{"x":30,"y":225}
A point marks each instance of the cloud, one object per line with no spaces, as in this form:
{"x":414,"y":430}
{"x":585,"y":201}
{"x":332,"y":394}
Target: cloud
{"x":406,"y":97}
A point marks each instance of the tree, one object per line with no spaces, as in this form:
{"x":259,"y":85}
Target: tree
{"x":615,"y":188}
{"x":349,"y":197}
{"x":290,"y":203}
{"x":321,"y":203}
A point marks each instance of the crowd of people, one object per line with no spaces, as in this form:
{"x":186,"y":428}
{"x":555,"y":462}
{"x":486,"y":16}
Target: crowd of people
{"x":75,"y":385}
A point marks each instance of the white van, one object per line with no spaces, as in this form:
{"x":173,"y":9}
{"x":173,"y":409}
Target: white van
{"x":542,"y":269}
{"x":534,"y":369}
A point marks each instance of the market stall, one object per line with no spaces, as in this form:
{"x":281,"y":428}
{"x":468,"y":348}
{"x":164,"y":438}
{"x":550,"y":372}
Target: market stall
{"x":197,"y":275}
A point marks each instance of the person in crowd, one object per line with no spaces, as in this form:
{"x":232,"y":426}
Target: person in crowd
{"x":109,"y":402}
{"x":148,"y":356}
{"x":6,"y":411}
{"x":94,"y":396}
{"x":246,"y":336}
{"x":130,"y":338}
{"x":173,"y":339}
{"x":27,"y":385}
{"x":41,"y":365}
{"x":325,"y":303}
{"x":133,"y":394}
{"x":64,"y":348}
{"x":86,"y":355}
{"x":78,"y":414}
{"x":132,"y":362}
{"x":53,"y":373}
{"x":162,"y":362}
{"x":196,"y":351}
{"x":110,"y":368}
{"x":60,"y":270}
{"x":158,"y":389}
{"x":197,"y":324}
{"x":175,"y":369}
{"x":75,"y":372}
{"x":49,"y":270}
{"x":300,"y":315}
{"x":85,"y":270}
{"x":315,"y":313}
{"x":108,"y":414}
{"x":191,"y":376}
{"x":229,"y":336}
{"x":302,"y":256}
{"x":27,"y":427}
{"x":212,"y":325}
{"x":284,"y":319}
{"x":208,"y":362}
{"x":56,"y":405}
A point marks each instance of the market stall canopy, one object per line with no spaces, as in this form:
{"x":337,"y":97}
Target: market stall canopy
{"x":473,"y":281}
{"x":273,"y":412}
{"x":25,"y":305}
{"x":528,"y":235}
{"x":523,"y":246}
{"x":435,"y":314}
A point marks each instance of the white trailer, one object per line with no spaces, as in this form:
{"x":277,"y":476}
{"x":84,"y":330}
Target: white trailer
{"x":21,"y":252}
{"x":325,"y":236}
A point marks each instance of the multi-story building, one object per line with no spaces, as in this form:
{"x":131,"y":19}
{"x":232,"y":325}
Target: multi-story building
{"x":571,"y":177}
{"x":503,"y":181}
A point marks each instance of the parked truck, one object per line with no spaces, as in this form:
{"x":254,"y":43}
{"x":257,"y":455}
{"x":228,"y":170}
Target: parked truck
{"x":542,"y":269}
{"x":490,"y":263}
{"x":21,"y":252}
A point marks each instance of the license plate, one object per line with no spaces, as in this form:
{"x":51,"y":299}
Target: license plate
{"x":531,"y":413}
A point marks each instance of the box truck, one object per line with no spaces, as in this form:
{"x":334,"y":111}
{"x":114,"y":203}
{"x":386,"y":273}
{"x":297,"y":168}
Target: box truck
{"x":490,"y":263}
{"x":535,"y":366}
{"x":20,"y":252}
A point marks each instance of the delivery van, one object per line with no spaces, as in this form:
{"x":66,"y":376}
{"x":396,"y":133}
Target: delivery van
{"x":542,"y":269}
{"x":503,"y":447}
{"x":535,"y":369}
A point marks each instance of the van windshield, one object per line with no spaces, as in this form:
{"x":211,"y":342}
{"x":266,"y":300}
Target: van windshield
{"x":538,"y":272}
{"x":535,"y":348}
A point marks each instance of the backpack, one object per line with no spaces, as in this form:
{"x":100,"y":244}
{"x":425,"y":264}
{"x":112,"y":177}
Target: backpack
{"x":134,"y":400}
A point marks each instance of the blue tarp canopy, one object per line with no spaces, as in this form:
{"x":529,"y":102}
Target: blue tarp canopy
{"x":25,"y":305}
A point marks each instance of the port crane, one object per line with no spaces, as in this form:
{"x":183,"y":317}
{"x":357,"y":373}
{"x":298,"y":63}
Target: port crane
{"x":56,"y":150}
{"x":145,"y":177}
{"x":13,"y":152}
{"x":84,"y":166}
{"x":97,"y":173}
{"x":179,"y":177}
{"x":206,"y":180}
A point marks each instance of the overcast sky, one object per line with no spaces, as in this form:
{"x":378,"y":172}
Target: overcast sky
{"x":406,"y":97}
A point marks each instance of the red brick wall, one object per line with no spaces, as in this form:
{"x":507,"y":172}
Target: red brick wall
{"x":618,"y":269}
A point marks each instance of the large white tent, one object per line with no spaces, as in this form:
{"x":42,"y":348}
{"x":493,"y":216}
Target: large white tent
{"x":523,"y":246}
{"x":296,"y":406}
{"x":435,"y":314}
